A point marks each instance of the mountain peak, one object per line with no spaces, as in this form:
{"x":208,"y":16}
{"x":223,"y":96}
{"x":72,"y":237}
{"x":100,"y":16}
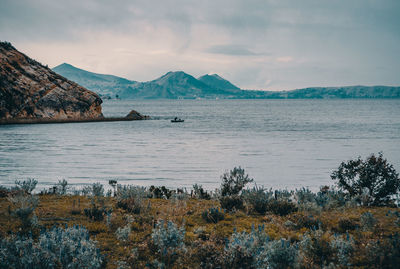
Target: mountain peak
{"x":216,"y":81}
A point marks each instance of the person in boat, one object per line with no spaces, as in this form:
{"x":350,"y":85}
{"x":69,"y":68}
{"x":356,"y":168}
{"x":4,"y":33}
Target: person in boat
{"x":176,"y":118}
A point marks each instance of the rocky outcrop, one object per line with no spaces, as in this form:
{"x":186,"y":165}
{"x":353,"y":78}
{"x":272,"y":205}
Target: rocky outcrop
{"x":134,"y":115}
{"x":31,"y":91}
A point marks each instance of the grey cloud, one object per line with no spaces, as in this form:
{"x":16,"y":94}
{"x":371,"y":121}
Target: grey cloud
{"x":340,"y":35}
{"x":231,"y":50}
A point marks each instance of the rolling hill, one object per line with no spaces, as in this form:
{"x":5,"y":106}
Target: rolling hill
{"x":180,"y":85}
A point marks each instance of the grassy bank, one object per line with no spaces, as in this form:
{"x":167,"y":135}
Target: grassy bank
{"x":233,"y":227}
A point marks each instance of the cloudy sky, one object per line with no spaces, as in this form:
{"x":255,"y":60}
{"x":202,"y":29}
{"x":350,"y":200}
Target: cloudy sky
{"x":256,"y":44}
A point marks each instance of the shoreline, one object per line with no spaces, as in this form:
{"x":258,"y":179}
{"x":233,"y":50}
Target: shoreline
{"x":71,"y":120}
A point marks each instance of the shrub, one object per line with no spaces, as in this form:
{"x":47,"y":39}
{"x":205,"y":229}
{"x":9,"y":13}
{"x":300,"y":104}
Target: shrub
{"x":97,"y":189}
{"x":278,"y":254}
{"x":168,"y":240}
{"x":200,"y":193}
{"x":62,"y":187}
{"x":24,"y":206}
{"x":258,"y":199}
{"x":374,"y":174}
{"x":281,"y":207}
{"x":345,"y":225}
{"x":304,"y":195}
{"x":27,"y":185}
{"x":344,"y":248}
{"x":57,"y":248}
{"x":160,"y":192}
{"x":234,"y":181}
{"x":213,"y":215}
{"x":316,"y":249}
{"x":232,"y":202}
{"x":243,"y":249}
{"x":367,"y":221}
{"x":307,"y":221}
{"x":384,"y":253}
{"x":133,"y":199}
{"x":97,"y":211}
{"x":122,"y":234}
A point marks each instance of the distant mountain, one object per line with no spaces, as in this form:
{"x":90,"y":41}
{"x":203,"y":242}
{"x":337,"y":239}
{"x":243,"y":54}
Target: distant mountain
{"x":180,"y":85}
{"x":217,"y":82}
{"x":173,"y":85}
{"x":102,"y":84}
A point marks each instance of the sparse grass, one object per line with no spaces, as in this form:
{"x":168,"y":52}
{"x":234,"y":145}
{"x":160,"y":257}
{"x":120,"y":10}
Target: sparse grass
{"x":55,"y":210}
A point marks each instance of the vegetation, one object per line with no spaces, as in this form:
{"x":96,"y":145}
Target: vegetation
{"x":158,"y":227}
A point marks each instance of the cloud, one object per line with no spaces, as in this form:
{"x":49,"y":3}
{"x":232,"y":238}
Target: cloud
{"x":230,"y":50}
{"x":248,"y":42}
{"x":285,"y":59}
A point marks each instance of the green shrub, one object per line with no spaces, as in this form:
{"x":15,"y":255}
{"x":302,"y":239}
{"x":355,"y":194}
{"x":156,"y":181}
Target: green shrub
{"x":232,"y":202}
{"x":213,"y":215}
{"x":258,"y":199}
{"x":368,"y":221}
{"x":27,"y":185}
{"x":278,"y":254}
{"x":169,"y":242}
{"x":346,"y":224}
{"x":57,"y":248}
{"x":200,"y":193}
{"x":97,"y":211}
{"x":23,"y":207}
{"x":374,"y":178}
{"x":281,"y":207}
{"x":160,"y":192}
{"x":234,"y":181}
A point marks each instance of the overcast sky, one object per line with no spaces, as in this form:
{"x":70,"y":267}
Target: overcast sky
{"x":256,"y":44}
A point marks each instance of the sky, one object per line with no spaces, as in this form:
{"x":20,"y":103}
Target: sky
{"x":255,"y":44}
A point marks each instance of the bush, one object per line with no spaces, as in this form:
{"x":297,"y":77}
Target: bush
{"x":160,"y":192}
{"x":384,"y":253}
{"x":122,"y":234}
{"x":23,"y":207}
{"x":200,"y":193}
{"x":133,"y":199}
{"x":344,"y":248}
{"x":213,"y":215}
{"x":258,"y":199}
{"x":345,"y":225}
{"x":97,"y":211}
{"x":27,"y":185}
{"x":368,"y":221}
{"x":281,"y":207}
{"x":230,"y":203}
{"x":375,"y":175}
{"x":234,"y":181}
{"x":168,"y":240}
{"x":57,"y":248}
{"x":316,"y":249}
{"x":97,"y":189}
{"x":278,"y":254}
{"x":243,"y":249}
{"x":62,"y":187}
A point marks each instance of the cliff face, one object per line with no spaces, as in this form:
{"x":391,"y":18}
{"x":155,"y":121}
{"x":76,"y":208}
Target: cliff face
{"x":29,"y":90}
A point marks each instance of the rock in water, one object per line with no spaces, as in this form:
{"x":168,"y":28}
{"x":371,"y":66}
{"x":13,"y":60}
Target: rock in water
{"x":134,"y":115}
{"x":29,"y":90}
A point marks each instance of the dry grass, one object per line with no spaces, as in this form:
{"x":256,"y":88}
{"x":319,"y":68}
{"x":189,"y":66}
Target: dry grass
{"x":54,"y":210}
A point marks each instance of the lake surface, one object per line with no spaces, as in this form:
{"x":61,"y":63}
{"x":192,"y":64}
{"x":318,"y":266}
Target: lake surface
{"x":280,"y":143}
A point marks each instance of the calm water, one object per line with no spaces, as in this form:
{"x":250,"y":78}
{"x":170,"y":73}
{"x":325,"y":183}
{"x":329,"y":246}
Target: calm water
{"x":280,"y":143}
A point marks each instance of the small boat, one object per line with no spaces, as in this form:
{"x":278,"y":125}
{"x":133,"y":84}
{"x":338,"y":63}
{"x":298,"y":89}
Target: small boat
{"x":177,"y":120}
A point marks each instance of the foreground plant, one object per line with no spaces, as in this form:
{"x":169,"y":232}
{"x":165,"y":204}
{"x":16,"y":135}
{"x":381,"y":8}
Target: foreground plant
{"x":57,"y":248}
{"x":374,"y":180}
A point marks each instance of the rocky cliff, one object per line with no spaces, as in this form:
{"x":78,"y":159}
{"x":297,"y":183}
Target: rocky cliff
{"x":29,"y":90}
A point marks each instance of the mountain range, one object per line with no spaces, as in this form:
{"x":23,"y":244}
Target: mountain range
{"x":180,"y":85}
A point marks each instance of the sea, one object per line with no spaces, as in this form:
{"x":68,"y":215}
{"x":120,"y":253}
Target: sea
{"x":285,"y":144}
